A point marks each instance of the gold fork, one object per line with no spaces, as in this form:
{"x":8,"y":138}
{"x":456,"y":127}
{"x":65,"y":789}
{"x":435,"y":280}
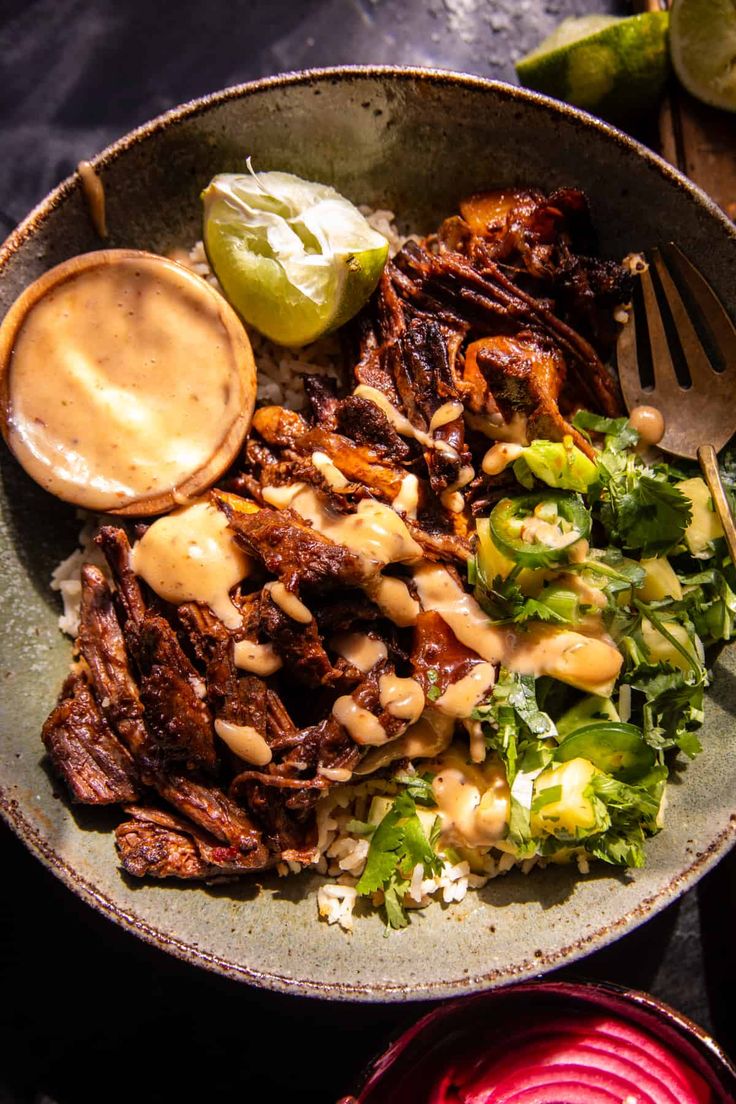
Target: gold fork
{"x":700,"y":417}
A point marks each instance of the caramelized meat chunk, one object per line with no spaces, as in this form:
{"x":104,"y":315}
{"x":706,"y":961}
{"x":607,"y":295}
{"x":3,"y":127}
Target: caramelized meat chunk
{"x":156,"y":844}
{"x":294,"y":551}
{"x":172,"y":693}
{"x":85,"y":752}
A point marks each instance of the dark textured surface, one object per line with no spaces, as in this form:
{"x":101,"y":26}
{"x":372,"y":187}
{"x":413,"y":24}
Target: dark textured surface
{"x":78,"y":75}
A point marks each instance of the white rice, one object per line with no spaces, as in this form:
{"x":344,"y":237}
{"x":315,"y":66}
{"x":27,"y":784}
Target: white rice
{"x":65,"y":578}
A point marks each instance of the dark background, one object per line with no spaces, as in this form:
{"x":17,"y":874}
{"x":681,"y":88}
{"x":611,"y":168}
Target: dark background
{"x":87,"y":1012}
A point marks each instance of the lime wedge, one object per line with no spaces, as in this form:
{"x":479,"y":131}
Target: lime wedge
{"x":703,"y":48}
{"x":616,"y":68}
{"x":296,"y":259}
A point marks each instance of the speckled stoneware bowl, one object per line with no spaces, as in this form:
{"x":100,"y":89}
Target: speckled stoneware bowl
{"x":417,"y":142}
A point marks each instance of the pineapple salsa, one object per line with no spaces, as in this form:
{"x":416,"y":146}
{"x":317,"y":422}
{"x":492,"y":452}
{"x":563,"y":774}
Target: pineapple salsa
{"x":623,"y":549}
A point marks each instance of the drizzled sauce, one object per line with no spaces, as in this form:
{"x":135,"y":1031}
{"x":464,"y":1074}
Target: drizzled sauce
{"x":289,"y":603}
{"x":648,"y":423}
{"x":94,"y":195}
{"x":473,"y":801}
{"x":329,"y":471}
{"x":429,"y":736}
{"x":259,"y":659}
{"x":401,"y":697}
{"x":128,"y":375}
{"x":360,"y":723}
{"x":407,"y":500}
{"x":499,"y":456}
{"x":244,"y":741}
{"x":374,"y":531}
{"x":359,"y":649}
{"x":461,"y":697}
{"x":589,"y":663}
{"x":190,"y":556}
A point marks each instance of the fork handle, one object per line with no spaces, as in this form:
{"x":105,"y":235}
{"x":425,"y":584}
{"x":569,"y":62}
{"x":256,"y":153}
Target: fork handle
{"x":709,"y":467}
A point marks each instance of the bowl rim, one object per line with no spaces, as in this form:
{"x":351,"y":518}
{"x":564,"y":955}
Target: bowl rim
{"x":587,"y":990}
{"x":193,"y":953}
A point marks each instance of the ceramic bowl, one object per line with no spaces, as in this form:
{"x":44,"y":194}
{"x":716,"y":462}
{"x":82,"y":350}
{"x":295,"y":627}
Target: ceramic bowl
{"x":421,"y":1053}
{"x":414,"y":141}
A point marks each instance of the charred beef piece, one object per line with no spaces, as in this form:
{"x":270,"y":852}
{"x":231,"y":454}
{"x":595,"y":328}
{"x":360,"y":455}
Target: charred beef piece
{"x":85,"y":752}
{"x":299,"y":646}
{"x":102,"y":646}
{"x":129,"y":599}
{"x":492,"y":303}
{"x":211,"y":809}
{"x":366,"y":424}
{"x":172,"y":693}
{"x":156,"y":844}
{"x":295,"y":552}
{"x":321,"y":392}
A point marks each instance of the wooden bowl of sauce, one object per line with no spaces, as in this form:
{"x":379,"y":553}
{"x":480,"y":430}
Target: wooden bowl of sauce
{"x":127,"y":382}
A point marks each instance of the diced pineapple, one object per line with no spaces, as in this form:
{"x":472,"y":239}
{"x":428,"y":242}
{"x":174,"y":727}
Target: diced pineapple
{"x":704,"y":526}
{"x":662,"y":650}
{"x":660,"y":581}
{"x":571,"y":810}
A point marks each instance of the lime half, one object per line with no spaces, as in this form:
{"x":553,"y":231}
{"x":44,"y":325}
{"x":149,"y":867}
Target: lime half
{"x":703,"y":48}
{"x":295,"y":258}
{"x":616,"y":68}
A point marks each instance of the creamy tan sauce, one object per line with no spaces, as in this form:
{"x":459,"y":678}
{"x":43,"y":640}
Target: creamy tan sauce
{"x":394,"y":599}
{"x":473,"y":801}
{"x":493,"y":426}
{"x":476,"y":741}
{"x":648,"y":423}
{"x":124,"y":381}
{"x":461,"y":697}
{"x":407,"y":500}
{"x":499,"y":456}
{"x":374,"y":531}
{"x":429,"y":736}
{"x":329,"y":471}
{"x":589,"y":663}
{"x":335,"y":774}
{"x":191,"y":556}
{"x":94,"y":195}
{"x":360,"y":723}
{"x":585,"y":662}
{"x":401,"y":697}
{"x":244,"y":741}
{"x":259,"y":659}
{"x":289,"y":603}
{"x":400,"y":422}
{"x":443,"y":415}
{"x":452,"y":501}
{"x":359,"y":649}
{"x":535,"y":529}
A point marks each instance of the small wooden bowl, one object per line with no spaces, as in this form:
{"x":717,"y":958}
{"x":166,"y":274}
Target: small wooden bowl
{"x":245,"y":370}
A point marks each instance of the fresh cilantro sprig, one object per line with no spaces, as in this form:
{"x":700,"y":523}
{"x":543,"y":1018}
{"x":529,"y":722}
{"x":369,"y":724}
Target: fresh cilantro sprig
{"x":397,"y":846}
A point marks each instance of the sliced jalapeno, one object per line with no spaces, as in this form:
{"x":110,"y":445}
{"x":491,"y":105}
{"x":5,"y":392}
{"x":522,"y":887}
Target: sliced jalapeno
{"x":614,"y":747}
{"x":538,"y":530}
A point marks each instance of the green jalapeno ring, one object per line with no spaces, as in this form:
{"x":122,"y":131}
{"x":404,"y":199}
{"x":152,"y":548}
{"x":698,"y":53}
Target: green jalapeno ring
{"x":507,"y":518}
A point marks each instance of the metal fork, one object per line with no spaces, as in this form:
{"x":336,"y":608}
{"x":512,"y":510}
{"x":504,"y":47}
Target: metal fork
{"x":700,"y":418}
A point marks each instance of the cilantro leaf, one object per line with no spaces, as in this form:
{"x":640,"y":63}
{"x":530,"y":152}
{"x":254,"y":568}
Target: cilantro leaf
{"x":418,"y":786}
{"x":652,"y":516}
{"x":397,"y":846}
{"x":619,"y":432}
